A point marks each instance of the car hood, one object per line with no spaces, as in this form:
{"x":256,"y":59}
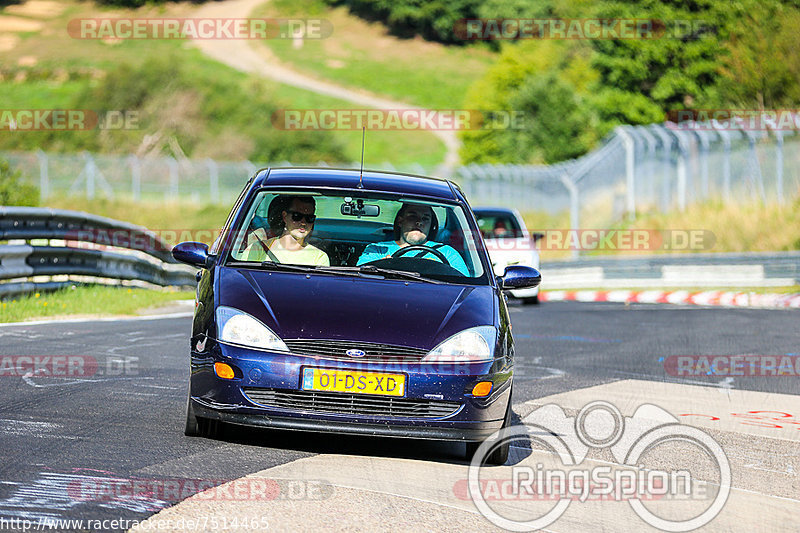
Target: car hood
{"x":315,"y":306}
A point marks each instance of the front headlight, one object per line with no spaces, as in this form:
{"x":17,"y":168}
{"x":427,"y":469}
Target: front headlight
{"x":470,"y":345}
{"x":237,"y":327}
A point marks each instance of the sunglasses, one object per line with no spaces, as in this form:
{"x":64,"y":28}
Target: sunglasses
{"x":297,"y":216}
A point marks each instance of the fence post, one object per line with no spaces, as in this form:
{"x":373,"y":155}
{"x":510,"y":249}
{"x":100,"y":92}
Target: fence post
{"x":251,"y":167}
{"x":648,"y":190}
{"x":136,"y":177}
{"x":755,"y":165}
{"x":705,"y":145}
{"x":726,"y":160}
{"x":174,"y":178}
{"x":574,"y":209}
{"x":213,"y":179}
{"x":516,"y":194}
{"x":90,"y":171}
{"x":683,"y":165}
{"x":44,"y":177}
{"x":466,"y":179}
{"x":630,"y":169}
{"x":779,"y":165}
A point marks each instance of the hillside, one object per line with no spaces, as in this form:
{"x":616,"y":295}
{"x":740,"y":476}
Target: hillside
{"x":207,"y":108}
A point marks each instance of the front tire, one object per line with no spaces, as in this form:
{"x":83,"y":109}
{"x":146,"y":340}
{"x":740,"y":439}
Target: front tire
{"x":499,"y":455}
{"x":200,"y":427}
{"x":533,"y":300}
{"x":192,"y":428}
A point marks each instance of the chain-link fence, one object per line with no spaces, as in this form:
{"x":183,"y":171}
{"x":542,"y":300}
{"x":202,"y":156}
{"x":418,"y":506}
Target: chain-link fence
{"x":648,"y":168}
{"x":146,"y":179}
{"x":637,"y":169}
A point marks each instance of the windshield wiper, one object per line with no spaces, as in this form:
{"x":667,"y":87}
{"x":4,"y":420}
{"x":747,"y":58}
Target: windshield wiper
{"x":349,"y":271}
{"x":402,"y":274}
{"x":286,"y":267}
{"x":308,"y":269}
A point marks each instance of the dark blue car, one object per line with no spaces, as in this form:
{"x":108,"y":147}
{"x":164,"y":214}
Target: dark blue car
{"x":348,"y":303}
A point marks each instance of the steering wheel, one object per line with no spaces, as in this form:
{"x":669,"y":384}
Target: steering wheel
{"x":439,"y":255}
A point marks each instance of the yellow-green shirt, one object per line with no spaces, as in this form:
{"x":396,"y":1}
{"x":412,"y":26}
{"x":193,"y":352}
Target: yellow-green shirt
{"x":308,"y":255}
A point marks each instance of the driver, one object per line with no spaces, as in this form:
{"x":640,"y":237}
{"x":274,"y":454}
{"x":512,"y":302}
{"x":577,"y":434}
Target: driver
{"x":413,"y":224}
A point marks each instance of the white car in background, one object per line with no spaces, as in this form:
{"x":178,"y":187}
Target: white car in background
{"x":509,"y":243}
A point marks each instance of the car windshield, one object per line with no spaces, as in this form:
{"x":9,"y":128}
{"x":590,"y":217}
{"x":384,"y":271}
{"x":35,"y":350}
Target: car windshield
{"x":373,"y":235}
{"x":498,"y":225}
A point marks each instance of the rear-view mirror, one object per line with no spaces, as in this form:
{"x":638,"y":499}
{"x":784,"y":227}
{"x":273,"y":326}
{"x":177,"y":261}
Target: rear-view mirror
{"x":359,"y":209}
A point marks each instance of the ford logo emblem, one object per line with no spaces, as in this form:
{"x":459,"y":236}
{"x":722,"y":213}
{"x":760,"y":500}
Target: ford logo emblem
{"x":356,"y":353}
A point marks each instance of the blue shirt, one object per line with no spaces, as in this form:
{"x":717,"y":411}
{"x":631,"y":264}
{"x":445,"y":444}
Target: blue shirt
{"x":382,"y":250}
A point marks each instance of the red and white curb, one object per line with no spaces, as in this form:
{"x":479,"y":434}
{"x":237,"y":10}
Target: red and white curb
{"x":722,"y":298}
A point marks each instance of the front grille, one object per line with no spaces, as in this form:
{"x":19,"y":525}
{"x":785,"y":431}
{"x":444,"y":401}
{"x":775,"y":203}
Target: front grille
{"x":336,"y":349}
{"x":350,"y":404}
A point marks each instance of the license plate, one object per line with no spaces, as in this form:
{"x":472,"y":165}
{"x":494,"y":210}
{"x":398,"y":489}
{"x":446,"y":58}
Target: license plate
{"x":323,"y":379}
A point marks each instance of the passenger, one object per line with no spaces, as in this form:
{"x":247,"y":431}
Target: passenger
{"x":292,"y":220}
{"x":501,"y":229}
{"x":413,"y":224}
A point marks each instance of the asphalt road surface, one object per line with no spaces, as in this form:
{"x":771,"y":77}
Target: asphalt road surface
{"x":108,"y":444}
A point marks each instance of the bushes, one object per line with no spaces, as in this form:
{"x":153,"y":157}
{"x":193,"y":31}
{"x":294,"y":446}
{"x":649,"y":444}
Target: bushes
{"x":432,"y":19}
{"x":13,"y":191}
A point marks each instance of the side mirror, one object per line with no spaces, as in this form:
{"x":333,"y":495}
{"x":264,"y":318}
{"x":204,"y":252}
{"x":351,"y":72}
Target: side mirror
{"x":536,"y":237}
{"x":520,"y":277}
{"x":193,"y":253}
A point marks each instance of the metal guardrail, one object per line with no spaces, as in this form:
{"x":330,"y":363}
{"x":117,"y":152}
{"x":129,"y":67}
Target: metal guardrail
{"x":138,"y":254}
{"x":775,"y":269}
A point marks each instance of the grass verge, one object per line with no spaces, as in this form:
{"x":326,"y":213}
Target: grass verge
{"x":361,"y":54}
{"x":165,"y":218}
{"x":87,"y":300}
{"x":723,"y":228}
{"x":736,"y":227}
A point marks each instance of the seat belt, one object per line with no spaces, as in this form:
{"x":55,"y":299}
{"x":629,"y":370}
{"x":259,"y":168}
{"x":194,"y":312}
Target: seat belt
{"x":269,"y":252}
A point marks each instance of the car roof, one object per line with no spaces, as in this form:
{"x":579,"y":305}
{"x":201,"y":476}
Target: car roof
{"x":495,"y":211}
{"x":372,"y":181}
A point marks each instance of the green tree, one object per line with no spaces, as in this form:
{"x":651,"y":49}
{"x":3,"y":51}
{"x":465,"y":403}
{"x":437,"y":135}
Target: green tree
{"x":762,"y":66}
{"x":526,"y":75}
{"x":641,"y":79}
{"x":432,"y":19}
{"x":606,"y":82}
{"x":561,"y":125}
